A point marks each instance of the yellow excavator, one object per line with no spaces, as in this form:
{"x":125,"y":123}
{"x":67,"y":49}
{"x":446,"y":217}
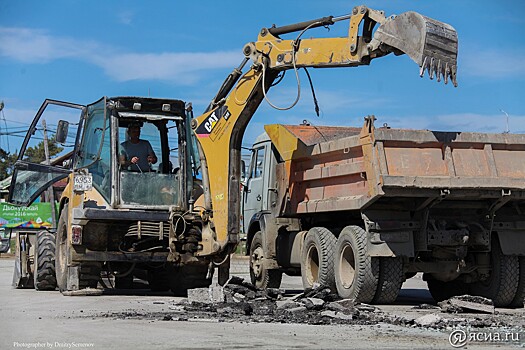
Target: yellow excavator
{"x":433,"y":45}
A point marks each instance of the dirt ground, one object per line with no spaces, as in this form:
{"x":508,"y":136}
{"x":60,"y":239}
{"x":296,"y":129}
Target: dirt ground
{"x":247,"y":318}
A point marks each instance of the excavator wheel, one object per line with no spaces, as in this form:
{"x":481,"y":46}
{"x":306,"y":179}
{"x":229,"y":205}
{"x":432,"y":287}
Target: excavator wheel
{"x":158,"y":280}
{"x":87,"y":273}
{"x":44,"y":275}
{"x":182,"y":278}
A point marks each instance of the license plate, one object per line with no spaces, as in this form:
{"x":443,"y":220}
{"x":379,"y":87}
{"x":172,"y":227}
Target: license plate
{"x":82,"y":182}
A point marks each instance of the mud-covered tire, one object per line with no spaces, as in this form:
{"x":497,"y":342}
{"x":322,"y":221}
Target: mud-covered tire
{"x":61,"y":250}
{"x":187,"y":277}
{"x":88,"y":272}
{"x":502,"y":284}
{"x":445,"y":290}
{"x":517,"y":302}
{"x":44,"y":274}
{"x":391,"y":278}
{"x":261,"y":277}
{"x":356,"y":273}
{"x":317,"y":258}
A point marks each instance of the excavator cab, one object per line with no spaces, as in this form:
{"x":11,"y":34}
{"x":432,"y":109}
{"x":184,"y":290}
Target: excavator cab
{"x":92,"y":147}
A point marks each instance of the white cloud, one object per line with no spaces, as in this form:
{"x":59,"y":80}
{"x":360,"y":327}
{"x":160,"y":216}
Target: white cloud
{"x":493,"y":64}
{"x":37,"y":46}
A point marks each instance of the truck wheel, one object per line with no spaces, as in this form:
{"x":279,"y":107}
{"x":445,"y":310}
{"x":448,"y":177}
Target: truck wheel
{"x":261,"y":277}
{"x":517,"y":302}
{"x":391,"y":278}
{"x":317,"y":258}
{"x":445,"y":290}
{"x":88,"y":272}
{"x":44,"y":275}
{"x":502,"y":284}
{"x":355,"y":272}
{"x":187,"y":277}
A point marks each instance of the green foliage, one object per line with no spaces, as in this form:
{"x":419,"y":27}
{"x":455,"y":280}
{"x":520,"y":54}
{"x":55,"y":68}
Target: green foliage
{"x":7,"y":162}
{"x":37,"y":153}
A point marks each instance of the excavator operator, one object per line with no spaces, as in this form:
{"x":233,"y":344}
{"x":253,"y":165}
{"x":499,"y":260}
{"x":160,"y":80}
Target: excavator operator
{"x":136,"y":154}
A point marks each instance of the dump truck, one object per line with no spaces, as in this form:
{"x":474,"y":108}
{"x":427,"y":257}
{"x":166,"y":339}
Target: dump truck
{"x":360,"y":210}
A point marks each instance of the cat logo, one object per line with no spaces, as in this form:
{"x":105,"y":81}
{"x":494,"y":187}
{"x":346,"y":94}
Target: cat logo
{"x":210,"y":122}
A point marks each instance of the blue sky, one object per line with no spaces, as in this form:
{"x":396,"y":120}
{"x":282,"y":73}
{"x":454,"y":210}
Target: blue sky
{"x":78,"y":51}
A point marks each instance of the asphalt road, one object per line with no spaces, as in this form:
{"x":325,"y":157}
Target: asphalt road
{"x":32,"y":319}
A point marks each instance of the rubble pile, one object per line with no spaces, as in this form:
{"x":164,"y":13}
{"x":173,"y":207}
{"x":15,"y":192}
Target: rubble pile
{"x":240,"y":301}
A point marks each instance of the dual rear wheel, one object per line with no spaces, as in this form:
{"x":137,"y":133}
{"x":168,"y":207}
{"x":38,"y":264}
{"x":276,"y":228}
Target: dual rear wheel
{"x":344,"y":265}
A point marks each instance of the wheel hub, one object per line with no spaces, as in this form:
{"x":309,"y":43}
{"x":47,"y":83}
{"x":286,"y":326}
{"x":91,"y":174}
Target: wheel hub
{"x":257,"y":261}
{"x":347,"y":270}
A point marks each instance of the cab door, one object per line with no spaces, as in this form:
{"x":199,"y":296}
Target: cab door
{"x":32,"y":174}
{"x":253,"y":192}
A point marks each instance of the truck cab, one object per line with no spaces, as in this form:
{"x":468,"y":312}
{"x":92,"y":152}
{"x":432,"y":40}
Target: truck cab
{"x":258,"y":187}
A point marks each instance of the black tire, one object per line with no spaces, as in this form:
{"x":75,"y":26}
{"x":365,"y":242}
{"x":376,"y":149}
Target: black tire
{"x":502,"y":284}
{"x":391,"y":277}
{"x":356,"y":273}
{"x":445,"y":290}
{"x":44,"y":274}
{"x":62,"y":250}
{"x":187,"y":277}
{"x":317,"y":258}
{"x":88,"y":272}
{"x":517,"y":302}
{"x":158,"y":280}
{"x":261,"y":277}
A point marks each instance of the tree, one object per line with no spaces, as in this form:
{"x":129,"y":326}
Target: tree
{"x":37,"y":153}
{"x":7,"y":162}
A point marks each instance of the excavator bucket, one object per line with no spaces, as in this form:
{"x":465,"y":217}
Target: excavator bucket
{"x":433,"y":45}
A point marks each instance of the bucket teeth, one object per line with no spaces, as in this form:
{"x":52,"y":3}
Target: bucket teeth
{"x":441,"y":70}
{"x":436,"y":67}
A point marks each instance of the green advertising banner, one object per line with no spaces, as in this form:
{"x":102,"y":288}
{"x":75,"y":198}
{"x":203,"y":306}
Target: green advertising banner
{"x":37,"y":215}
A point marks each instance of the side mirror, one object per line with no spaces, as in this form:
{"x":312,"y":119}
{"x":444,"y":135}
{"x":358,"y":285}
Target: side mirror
{"x":62,"y":130}
{"x":243,"y":170}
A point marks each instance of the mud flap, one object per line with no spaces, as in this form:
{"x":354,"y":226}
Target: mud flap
{"x":432,"y":44}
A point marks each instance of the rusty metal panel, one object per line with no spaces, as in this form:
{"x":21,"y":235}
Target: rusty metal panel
{"x":311,"y":135}
{"x":471,"y":162}
{"x":510,"y":163}
{"x":415,"y":161}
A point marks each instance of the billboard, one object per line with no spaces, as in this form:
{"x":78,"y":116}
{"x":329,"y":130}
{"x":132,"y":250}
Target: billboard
{"x":37,"y":215}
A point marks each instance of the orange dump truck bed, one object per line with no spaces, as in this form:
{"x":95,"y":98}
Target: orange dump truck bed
{"x":343,"y":168}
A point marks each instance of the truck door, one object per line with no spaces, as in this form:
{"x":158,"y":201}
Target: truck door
{"x":32,"y":175}
{"x":254,"y":190}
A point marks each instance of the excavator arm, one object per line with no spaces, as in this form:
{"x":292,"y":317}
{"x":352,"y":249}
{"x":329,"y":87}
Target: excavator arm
{"x":430,"y":43}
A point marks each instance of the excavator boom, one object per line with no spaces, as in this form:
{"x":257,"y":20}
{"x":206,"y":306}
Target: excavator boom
{"x":431,"y":44}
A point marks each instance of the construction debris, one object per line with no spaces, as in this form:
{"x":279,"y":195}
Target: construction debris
{"x":467,"y":303}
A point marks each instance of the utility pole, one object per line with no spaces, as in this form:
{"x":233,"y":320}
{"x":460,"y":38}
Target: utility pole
{"x":50,"y":192}
{"x":507,"y":130}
